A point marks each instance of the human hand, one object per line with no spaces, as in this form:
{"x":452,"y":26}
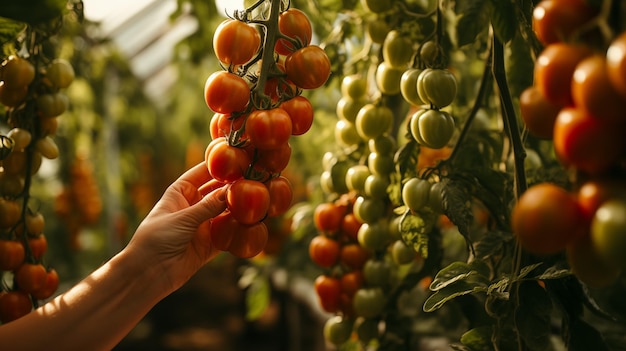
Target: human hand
{"x":175,"y":235}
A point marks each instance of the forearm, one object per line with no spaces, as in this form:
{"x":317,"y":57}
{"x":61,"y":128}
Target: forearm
{"x":94,"y":315}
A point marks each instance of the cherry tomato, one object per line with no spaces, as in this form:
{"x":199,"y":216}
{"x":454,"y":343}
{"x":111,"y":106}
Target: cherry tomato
{"x":377,"y":272}
{"x":351,"y":282}
{"x":354,"y":86}
{"x":308,"y":67}
{"x":10,"y":212}
{"x":397,"y":49}
{"x":350,"y":226}
{"x":432,"y":128}
{"x":590,"y":144}
{"x":589,"y":266}
{"x":373,"y":120}
{"x":12,"y":254}
{"x":328,"y":290}
{"x":11,"y":97}
{"x":274,"y":160}
{"x":30,"y":277}
{"x":346,"y":133}
{"x":415,"y":194}
{"x":380,"y":164}
{"x":227,"y":163}
{"x":60,"y":73}
{"x":337,"y":330}
{"x":377,"y":30}
{"x":369,"y":302}
{"x":353,"y":255}
{"x":225,"y":92}
{"x":374,"y":236}
{"x":51,"y":285}
{"x":556,"y":20}
{"x":408,"y":86}
{"x":248,"y":200}
{"x":223,"y":228}
{"x":235,"y":42}
{"x":376,"y":185}
{"x":546,"y":218}
{"x":596,"y":191}
{"x":296,"y":25}
{"x":269,"y":129}
{"x":616,"y":63}
{"x":538,"y":113}
{"x":300,"y":110}
{"x":402,"y":253}
{"x":328,"y":216}
{"x":348,"y":108}
{"x":21,"y":138}
{"x":355,"y":177}
{"x":608,"y":232}
{"x":368,"y":210}
{"x":437,"y":87}
{"x":38,"y":246}
{"x":281,"y":196}
{"x":388,"y":78}
{"x":249,"y":240}
{"x":13,"y":305}
{"x":324,"y":251}
{"x":16,"y":72}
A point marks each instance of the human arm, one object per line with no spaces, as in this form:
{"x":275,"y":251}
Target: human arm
{"x":168,"y":247}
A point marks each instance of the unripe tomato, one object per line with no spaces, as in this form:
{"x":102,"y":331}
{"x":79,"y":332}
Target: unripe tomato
{"x":356,"y":176}
{"x":16,"y":72}
{"x":369,"y":302}
{"x":437,"y":87}
{"x":346,"y":133}
{"x":608,"y":232}
{"x":589,"y":266}
{"x":397,"y":50}
{"x":348,"y":108}
{"x":556,"y":20}
{"x":11,"y":97}
{"x":10,"y":212}
{"x":377,"y":30}
{"x":225,"y":92}
{"x":415,"y":194}
{"x":383,"y":144}
{"x":60,"y":73}
{"x":374,"y":235}
{"x":372,"y":121}
{"x":596,"y":191}
{"x":593,"y":92}
{"x":430,"y":53}
{"x":248,"y":200}
{"x":402,"y":253}
{"x":546,"y":218}
{"x":432,"y":128}
{"x":538,"y":113}
{"x":377,"y":272}
{"x":47,"y":147}
{"x":380,"y":164}
{"x":21,"y":138}
{"x":337,"y":330}
{"x":354,"y":86}
{"x":367,"y":330}
{"x":376,"y":186}
{"x":408,"y":86}
{"x":294,"y":24}
{"x":368,"y":210}
{"x":11,"y":185}
{"x":590,"y":144}
{"x":51,"y":105}
{"x":235,"y":42}
{"x":308,"y":67}
{"x":388,"y":78}
{"x":616,"y":63}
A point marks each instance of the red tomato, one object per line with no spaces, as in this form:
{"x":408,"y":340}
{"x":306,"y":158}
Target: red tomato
{"x":350,"y":226}
{"x":249,"y":240}
{"x":273,"y":160}
{"x":296,"y":25}
{"x":268,"y":129}
{"x":30,"y":277}
{"x":556,"y":20}
{"x":324,"y":251}
{"x":51,"y":285}
{"x":235,"y":42}
{"x":354,"y":255}
{"x":590,"y":144}
{"x":225,"y":92}
{"x":12,"y":254}
{"x":308,"y":68}
{"x":538,"y":113}
{"x":13,"y":305}
{"x":281,"y":195}
{"x":328,"y":290}
{"x":248,"y":200}
{"x":595,"y":192}
{"x":328,"y":216}
{"x":223,"y":228}
{"x":226,"y":163}
{"x":38,"y":246}
{"x":351,"y":282}
{"x":300,"y":110}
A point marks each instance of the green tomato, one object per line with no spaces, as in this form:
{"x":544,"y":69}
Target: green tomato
{"x":377,"y":30}
{"x":382,"y":144}
{"x":375,"y":186}
{"x":397,"y":50}
{"x":373,"y":121}
{"x":367,"y":330}
{"x":430,"y":53}
{"x":415,"y":194}
{"x":380,"y":164}
{"x":60,"y":73}
{"x":608,"y":232}
{"x":435,"y":198}
{"x":337,"y":330}
{"x":377,"y":6}
{"x":437,"y":87}
{"x":374,"y":236}
{"x":354,"y":86}
{"x":346,"y":133}
{"x":408,"y":86}
{"x":356,"y":177}
{"x":402,"y":253}
{"x":52,"y":104}
{"x":377,"y":272}
{"x":347,"y":108}
{"x":432,"y":128}
{"x":388,"y":78}
{"x":368,"y":210}
{"x":369,"y":302}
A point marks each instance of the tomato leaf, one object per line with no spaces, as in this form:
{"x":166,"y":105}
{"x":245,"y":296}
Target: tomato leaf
{"x":33,"y":11}
{"x":406,"y":159}
{"x":478,"y":339}
{"x":9,"y":30}
{"x":414,"y":232}
{"x":457,"y":205}
{"x":554,"y":273}
{"x":449,"y":292}
{"x":257,"y":297}
{"x":495,"y":243}
{"x":476,"y":271}
{"x":504,"y":19}
{"x":474,"y":20}
{"x":532,"y":316}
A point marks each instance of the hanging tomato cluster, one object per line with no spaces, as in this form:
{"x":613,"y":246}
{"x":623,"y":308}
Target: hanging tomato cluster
{"x":31,"y":90}
{"x":258,"y":107}
{"x":577,"y":101}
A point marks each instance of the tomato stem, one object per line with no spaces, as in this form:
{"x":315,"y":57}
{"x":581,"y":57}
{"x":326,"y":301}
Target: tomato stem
{"x":267,"y":60}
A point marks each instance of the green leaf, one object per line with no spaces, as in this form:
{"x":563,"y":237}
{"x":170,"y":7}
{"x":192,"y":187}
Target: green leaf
{"x":554,"y":273}
{"x":475,"y":272}
{"x":449,"y":292}
{"x":257,"y":297}
{"x":414,"y":230}
{"x":33,"y":11}
{"x":456,"y":201}
{"x":474,"y":20}
{"x":9,"y":30}
{"x":478,"y":339}
{"x":504,"y":20}
{"x":406,"y":159}
{"x":532,"y":317}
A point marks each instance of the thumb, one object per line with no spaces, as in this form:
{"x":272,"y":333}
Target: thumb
{"x":208,"y":207}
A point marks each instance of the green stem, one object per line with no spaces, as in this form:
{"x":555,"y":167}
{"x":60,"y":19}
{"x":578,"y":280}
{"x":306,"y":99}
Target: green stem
{"x":267,"y":60}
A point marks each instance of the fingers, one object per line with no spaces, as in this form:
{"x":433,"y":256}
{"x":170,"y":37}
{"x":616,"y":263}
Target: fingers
{"x":209,"y":206}
{"x":196,"y":175}
{"x":209,"y":186}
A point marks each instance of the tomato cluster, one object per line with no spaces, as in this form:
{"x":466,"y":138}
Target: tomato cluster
{"x":32,"y":94}
{"x":577,"y":101}
{"x":258,"y":107}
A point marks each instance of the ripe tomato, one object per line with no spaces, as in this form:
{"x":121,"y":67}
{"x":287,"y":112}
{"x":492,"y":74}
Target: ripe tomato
{"x":546,"y":218}
{"x":10,"y":212}
{"x":437,"y":87}
{"x":273,"y":160}
{"x":432,"y":128}
{"x":593,"y":92}
{"x":12,"y":254}
{"x":596,"y":191}
{"x":11,"y":97}
{"x":328,"y":290}
{"x":556,"y":20}
{"x":388,"y":78}
{"x":608,"y":232}
{"x":616,"y":63}
{"x":60,"y":73}
{"x":235,"y":42}
{"x":225,"y":92}
{"x":337,"y":330}
{"x":328,"y":216}
{"x":224,"y":124}
{"x":373,"y":120}
{"x":13,"y":305}
{"x":554,"y":69}
{"x":269,"y":129}
{"x":51,"y":285}
{"x":281,"y":195}
{"x":295,"y":24}
{"x":35,"y":223}
{"x":408,"y":86}
{"x":353,"y":255}
{"x":538,"y":113}
{"x":30,"y":277}
{"x":226,"y":163}
{"x":308,"y":67}
{"x":249,"y":240}
{"x":324,"y":251}
{"x":351,"y":282}
{"x":397,"y":50}
{"x":300,"y":110}
{"x":590,"y":144}
{"x":350,"y":226}
{"x":16,"y":72}
{"x":38,"y":245}
{"x":248,"y":200}
{"x":369,"y":302}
